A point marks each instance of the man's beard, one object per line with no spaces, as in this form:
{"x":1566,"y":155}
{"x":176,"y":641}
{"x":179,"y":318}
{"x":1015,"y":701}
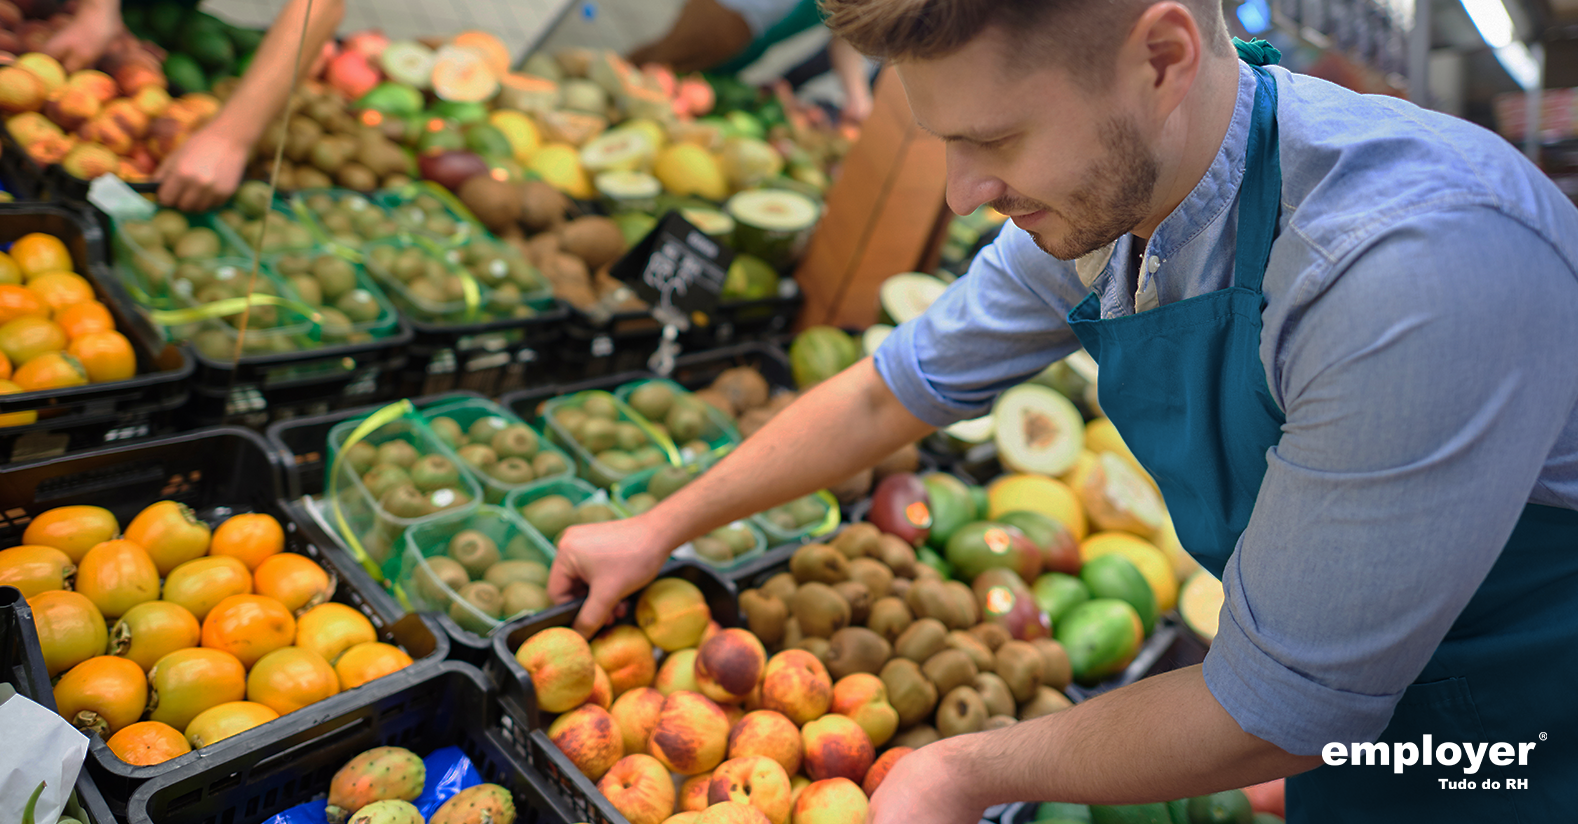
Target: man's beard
{"x":1114,"y":197}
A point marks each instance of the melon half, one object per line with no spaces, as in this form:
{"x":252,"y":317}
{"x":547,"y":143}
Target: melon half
{"x":1037,"y":430}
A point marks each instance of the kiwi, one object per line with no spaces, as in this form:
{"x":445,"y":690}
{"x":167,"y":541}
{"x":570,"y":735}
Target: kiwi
{"x":993,"y":691}
{"x":858,"y":540}
{"x":399,"y":453}
{"x":474,"y":550}
{"x":781,"y":586}
{"x":741,"y":540}
{"x":640,"y":503}
{"x":628,"y":436}
{"x":949,"y":669}
{"x":483,"y":598}
{"x":667,"y":480}
{"x":361,"y":456}
{"x":479,"y":456}
{"x":511,"y":471}
{"x":335,"y":275}
{"x":743,"y":386}
{"x":792,"y":634}
{"x":599,"y":435}
{"x":525,"y":596}
{"x":806,"y":510}
{"x":440,"y":572}
{"x":998,"y":722}
{"x":600,"y":405}
{"x":898,"y":555}
{"x":504,"y":573}
{"x":594,"y":512}
{"x":652,"y":399}
{"x":909,"y":692}
{"x":820,"y":563}
{"x":900,"y":588}
{"x":873,"y":574}
{"x":433,"y":472}
{"x":384,"y":477}
{"x":991,"y":634}
{"x":1056,"y":671}
{"x":515,"y":441}
{"x":915,"y":737}
{"x":922,"y":640}
{"x":966,"y":611}
{"x":972,"y":646}
{"x":1045,"y":702}
{"x":930,"y":599}
{"x":649,"y":456}
{"x":815,"y":646}
{"x":712,"y":550}
{"x":858,"y":598}
{"x":961,"y":712}
{"x":1019,"y":665}
{"x":448,"y":498}
{"x":856,"y":649}
{"x":405,"y":501}
{"x":927,"y":573}
{"x":820,"y":610}
{"x":485,"y":429}
{"x":615,"y":461}
{"x":550,"y":514}
{"x":200,"y":243}
{"x":889,"y":618}
{"x":359,"y":306}
{"x":447,"y":431}
{"x":765,"y":616}
{"x":549,"y":464}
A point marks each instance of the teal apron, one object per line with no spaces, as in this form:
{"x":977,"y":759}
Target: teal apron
{"x":1185,"y":386}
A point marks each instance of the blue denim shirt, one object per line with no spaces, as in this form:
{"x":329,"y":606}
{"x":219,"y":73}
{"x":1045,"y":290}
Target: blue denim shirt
{"x":1421,"y":334}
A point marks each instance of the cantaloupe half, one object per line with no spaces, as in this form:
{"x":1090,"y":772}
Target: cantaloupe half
{"x":1038,"y":430}
{"x":1118,"y":497}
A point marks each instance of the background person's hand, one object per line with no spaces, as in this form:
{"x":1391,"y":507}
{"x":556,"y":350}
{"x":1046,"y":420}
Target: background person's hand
{"x":606,"y":562}
{"x":81,"y":43}
{"x":203,"y":173}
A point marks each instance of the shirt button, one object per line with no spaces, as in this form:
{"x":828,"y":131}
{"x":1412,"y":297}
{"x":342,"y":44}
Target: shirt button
{"x":1153,"y":264}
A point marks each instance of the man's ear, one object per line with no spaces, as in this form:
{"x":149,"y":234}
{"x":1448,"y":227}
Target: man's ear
{"x":1161,"y":57}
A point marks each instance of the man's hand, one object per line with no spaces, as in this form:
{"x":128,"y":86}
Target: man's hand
{"x":81,"y":43}
{"x":923,"y":789}
{"x":204,"y":172}
{"x":606,"y":562}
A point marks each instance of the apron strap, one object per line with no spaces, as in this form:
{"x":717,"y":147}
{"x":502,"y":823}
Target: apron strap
{"x":1260,"y":195}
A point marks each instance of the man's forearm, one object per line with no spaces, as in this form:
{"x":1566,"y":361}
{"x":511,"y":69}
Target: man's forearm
{"x":266,"y":85}
{"x":1162,"y":738}
{"x":845,"y":425}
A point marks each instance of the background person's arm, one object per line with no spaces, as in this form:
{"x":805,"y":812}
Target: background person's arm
{"x":207,"y":168}
{"x":82,"y":42}
{"x":705,"y":34}
{"x":854,"y":74}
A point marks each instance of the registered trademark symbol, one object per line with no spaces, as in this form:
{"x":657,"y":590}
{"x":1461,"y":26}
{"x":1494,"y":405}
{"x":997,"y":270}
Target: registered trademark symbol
{"x":1542,"y":736}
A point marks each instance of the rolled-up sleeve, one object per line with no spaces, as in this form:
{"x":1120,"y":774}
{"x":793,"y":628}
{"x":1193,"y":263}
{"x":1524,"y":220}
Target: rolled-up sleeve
{"x":760,"y":15}
{"x":1000,"y":324}
{"x":1424,"y":389}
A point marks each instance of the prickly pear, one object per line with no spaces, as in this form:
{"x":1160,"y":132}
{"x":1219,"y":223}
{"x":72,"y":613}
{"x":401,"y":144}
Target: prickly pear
{"x":380,"y":774}
{"x":482,"y":804}
{"x":388,"y":811}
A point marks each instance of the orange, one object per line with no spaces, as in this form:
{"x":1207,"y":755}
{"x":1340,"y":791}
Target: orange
{"x":146,"y":743}
{"x":201,"y":583}
{"x":5,"y":367}
{"x":290,"y":678}
{"x":29,"y":336}
{"x":364,"y":662}
{"x":188,"y":681}
{"x":250,"y":538}
{"x":331,"y":629}
{"x":171,"y":533}
{"x":35,"y":569}
{"x":248,"y":627}
{"x":218,"y":723}
{"x":9,"y":271}
{"x":70,"y":629}
{"x":152,"y":630}
{"x":116,"y":576}
{"x":51,"y":370}
{"x":61,"y":289}
{"x":106,"y":356}
{"x":38,"y":253}
{"x":72,"y":529}
{"x":84,"y":318}
{"x":293,"y":580}
{"x":20,"y":301}
{"x":15,"y":418}
{"x":102,"y":695}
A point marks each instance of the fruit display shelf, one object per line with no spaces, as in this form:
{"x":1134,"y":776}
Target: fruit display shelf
{"x":216,"y":472}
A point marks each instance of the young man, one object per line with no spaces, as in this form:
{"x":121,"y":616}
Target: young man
{"x":207,"y":168}
{"x":1338,"y":330}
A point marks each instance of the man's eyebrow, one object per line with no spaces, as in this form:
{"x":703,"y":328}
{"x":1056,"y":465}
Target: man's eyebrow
{"x":970,"y":136}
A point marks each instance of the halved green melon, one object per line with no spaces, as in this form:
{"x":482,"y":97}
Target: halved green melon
{"x":1037,"y":430}
{"x":628,"y":191}
{"x":907,"y":296}
{"x":620,"y":150}
{"x":711,"y":222}
{"x":408,"y":62}
{"x":872,"y":338}
{"x":773,"y":224}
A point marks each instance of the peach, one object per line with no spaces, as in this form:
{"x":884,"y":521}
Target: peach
{"x":590,"y":738}
{"x":203,"y":106}
{"x":152,"y":101}
{"x":683,"y":818}
{"x":71,"y":106}
{"x":879,"y":769}
{"x":130,"y":118}
{"x":602,"y":692}
{"x":50,"y":148}
{"x":677,"y":673}
{"x":754,"y":780}
{"x":29,"y":126}
{"x":770,"y":734}
{"x":134,"y":77}
{"x":639,"y":788}
{"x":753,"y":702}
{"x":693,"y":793}
{"x":797,"y":785}
{"x":731,"y":812}
{"x":101,"y":85}
{"x":734,"y":712}
{"x":128,"y":171}
{"x":797,"y":685}
{"x":832,"y":801}
{"x":87,"y":161}
{"x":729,"y":665}
{"x":836,"y":747}
{"x":863,"y":698}
{"x":626,"y":654}
{"x":21,"y":91}
{"x":165,"y":135}
{"x":691,"y":735}
{"x":673,"y":613}
{"x":107,"y":132}
{"x":46,"y":68}
{"x":563,"y":672}
{"x":637,"y":714}
{"x":713,"y":628}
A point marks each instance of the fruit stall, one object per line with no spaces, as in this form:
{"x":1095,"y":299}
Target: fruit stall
{"x":285,"y":478}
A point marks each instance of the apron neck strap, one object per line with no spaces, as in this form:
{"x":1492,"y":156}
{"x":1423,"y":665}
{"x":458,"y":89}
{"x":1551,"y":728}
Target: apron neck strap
{"x":1257,"y":52}
{"x":1260,"y":194}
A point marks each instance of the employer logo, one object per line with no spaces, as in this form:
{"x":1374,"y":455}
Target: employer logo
{"x":1402,"y":754}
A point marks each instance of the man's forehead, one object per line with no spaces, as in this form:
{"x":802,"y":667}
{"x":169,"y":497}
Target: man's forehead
{"x":965,"y":96}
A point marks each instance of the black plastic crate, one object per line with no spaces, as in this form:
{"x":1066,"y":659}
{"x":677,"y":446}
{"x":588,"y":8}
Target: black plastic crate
{"x":763,"y":319}
{"x":591,"y":350}
{"x":22,"y":666}
{"x":217,"y":472}
{"x":697,"y":370}
{"x":488,"y":358}
{"x":446,"y":706}
{"x":22,"y":177}
{"x":81,"y":417}
{"x":524,"y":726}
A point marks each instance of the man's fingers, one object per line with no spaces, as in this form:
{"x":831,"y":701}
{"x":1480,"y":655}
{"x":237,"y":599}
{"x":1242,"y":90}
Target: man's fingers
{"x":563,"y":585}
{"x":596,"y":612}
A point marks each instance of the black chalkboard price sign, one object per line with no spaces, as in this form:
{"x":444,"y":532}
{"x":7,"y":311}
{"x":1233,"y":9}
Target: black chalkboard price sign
{"x":676,"y":266}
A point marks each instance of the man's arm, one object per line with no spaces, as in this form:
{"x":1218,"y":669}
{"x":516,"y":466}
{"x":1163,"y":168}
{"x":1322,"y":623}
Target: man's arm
{"x":707,"y":33}
{"x":1159,"y":739}
{"x":82,"y":42}
{"x":207,"y":168}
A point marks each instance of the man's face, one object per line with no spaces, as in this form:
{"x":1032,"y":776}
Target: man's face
{"x":1067,"y":164}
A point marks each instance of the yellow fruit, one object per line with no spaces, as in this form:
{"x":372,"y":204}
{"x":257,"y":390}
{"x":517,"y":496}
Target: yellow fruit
{"x":686,"y":169}
{"x":651,"y":128}
{"x":1038,"y":493}
{"x":1200,"y":602}
{"x":1166,"y":539}
{"x":1150,"y":561}
{"x":15,"y":418}
{"x":559,"y":165}
{"x":1102,"y":436}
{"x":520,"y":131}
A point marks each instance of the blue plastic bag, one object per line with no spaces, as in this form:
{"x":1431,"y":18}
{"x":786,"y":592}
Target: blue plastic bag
{"x":448,"y":772}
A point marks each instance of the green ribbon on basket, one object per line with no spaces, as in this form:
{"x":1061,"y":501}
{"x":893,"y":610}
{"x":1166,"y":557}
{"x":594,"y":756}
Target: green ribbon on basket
{"x":375,"y":421}
{"x":468,"y":284}
{"x":228,"y":306}
{"x":831,"y":520}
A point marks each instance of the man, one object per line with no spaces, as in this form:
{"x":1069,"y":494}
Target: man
{"x":205,"y":171}
{"x":1338,"y":330}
